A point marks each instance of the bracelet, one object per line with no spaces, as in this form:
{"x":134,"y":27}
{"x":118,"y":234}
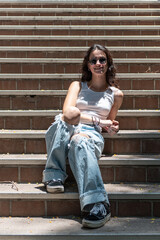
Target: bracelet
{"x":95,"y":121}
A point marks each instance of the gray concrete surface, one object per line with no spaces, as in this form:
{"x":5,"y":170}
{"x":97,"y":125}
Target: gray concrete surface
{"x":71,"y":228}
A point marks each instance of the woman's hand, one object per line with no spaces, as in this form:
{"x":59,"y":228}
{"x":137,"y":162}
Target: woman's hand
{"x":112,"y":129}
{"x":115,"y":126}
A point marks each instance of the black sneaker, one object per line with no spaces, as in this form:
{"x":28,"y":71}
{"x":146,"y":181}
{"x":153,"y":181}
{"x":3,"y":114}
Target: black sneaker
{"x":54,"y":186}
{"x":98,"y":216}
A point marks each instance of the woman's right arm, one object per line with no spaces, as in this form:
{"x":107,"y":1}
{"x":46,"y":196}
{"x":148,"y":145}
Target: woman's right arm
{"x":72,"y":95}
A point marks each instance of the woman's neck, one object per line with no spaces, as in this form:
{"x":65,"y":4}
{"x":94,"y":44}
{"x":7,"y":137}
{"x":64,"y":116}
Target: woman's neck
{"x":98,"y":84}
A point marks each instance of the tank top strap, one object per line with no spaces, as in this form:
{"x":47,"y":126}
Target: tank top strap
{"x":84,"y":85}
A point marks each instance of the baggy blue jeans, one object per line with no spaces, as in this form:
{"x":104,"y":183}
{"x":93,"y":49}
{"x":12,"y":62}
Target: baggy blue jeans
{"x":83,"y":154}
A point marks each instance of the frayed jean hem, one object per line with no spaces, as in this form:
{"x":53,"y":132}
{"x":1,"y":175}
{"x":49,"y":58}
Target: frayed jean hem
{"x":53,"y":174}
{"x":93,"y":197}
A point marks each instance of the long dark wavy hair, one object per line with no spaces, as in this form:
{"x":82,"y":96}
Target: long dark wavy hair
{"x":111,"y":71}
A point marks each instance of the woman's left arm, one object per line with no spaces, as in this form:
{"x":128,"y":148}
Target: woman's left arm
{"x":118,"y":99}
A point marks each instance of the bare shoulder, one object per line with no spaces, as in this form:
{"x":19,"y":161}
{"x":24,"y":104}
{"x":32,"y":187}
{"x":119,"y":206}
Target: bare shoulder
{"x":118,"y":97}
{"x":74,"y":88}
{"x":75,"y":85}
{"x":118,"y":94}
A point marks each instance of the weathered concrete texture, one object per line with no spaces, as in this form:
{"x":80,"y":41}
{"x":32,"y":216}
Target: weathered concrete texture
{"x":71,"y":228}
{"x":12,"y":190}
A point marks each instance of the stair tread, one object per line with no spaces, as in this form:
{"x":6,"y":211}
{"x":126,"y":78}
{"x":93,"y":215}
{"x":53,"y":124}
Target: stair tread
{"x":52,"y":9}
{"x":60,"y":227}
{"x":105,"y":160}
{"x":29,"y":134}
{"x":115,"y":191}
{"x":64,"y":92}
{"x":110,"y":18}
{"x":80,"y":37}
{"x":74,"y":76}
{"x":50,"y":112}
{"x":41,"y":48}
{"x":76,"y":60}
{"x":77,"y":27}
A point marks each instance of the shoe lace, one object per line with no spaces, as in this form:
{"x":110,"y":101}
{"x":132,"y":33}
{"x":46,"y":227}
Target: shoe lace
{"x":54,"y":180}
{"x":98,"y":208}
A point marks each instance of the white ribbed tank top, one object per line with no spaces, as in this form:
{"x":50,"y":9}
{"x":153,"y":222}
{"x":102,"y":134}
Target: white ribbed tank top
{"x":93,"y":103}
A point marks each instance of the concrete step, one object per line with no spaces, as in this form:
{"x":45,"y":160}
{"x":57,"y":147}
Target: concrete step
{"x":73,"y":19}
{"x":54,"y":99}
{"x":64,"y":92}
{"x":24,"y":168}
{"x":81,"y":4}
{"x":127,"y":200}
{"x":73,"y":3}
{"x":75,"y":60}
{"x":73,"y":65}
{"x":37,"y":11}
{"x":125,"y":142}
{"x":36,"y":134}
{"x":106,"y":160}
{"x":78,"y":40}
{"x":75,"y":52}
{"x":30,"y":81}
{"x":61,"y":227}
{"x":50,"y":112}
{"x":42,"y":119}
{"x":80,"y":30}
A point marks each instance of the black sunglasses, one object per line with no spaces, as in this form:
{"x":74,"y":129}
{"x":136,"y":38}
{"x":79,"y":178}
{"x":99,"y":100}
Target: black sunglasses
{"x":102,"y":60}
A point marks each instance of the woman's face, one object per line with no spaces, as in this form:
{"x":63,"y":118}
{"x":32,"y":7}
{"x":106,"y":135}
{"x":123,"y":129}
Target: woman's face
{"x":98,"y":62}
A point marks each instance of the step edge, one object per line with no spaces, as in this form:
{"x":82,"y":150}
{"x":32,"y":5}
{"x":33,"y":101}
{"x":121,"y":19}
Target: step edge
{"x":29,"y":193}
{"x":111,"y":18}
{"x":40,"y":48}
{"x":52,"y":113}
{"x":71,"y":228}
{"x":75,"y":60}
{"x":78,"y":37}
{"x":122,"y":134}
{"x":146,"y":76}
{"x":102,"y":162}
{"x":82,"y":27}
{"x":64,"y":92}
{"x":53,"y":9}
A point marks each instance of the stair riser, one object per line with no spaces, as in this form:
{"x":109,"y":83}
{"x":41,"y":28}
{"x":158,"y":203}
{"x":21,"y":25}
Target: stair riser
{"x":141,"y":102}
{"x":139,"y":123}
{"x":26,"y":122}
{"x":37,"y":208}
{"x":129,"y":146}
{"x":80,"y":32}
{"x":80,"y":5}
{"x":126,"y":123}
{"x":81,"y":21}
{"x":56,"y":102}
{"x":110,"y":174}
{"x":112,"y":146}
{"x":79,"y":42}
{"x":76,"y":54}
{"x":73,"y":67}
{"x":50,"y":84}
{"x":80,"y":13}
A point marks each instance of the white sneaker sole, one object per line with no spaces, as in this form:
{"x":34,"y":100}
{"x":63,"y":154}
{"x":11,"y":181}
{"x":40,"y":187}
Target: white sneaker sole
{"x":95,"y":224}
{"x":55,"y":189}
